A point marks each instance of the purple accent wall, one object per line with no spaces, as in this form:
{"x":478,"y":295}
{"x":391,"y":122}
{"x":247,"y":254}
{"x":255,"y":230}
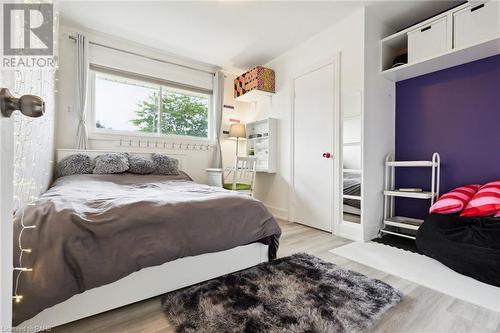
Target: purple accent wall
{"x":455,"y":112}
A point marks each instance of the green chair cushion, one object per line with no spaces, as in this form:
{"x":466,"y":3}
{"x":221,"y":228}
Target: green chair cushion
{"x":239,"y":187}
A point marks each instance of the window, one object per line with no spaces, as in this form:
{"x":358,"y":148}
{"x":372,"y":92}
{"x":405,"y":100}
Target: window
{"x":125,"y":104}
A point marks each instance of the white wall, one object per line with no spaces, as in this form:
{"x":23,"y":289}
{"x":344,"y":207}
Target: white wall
{"x":379,"y":127}
{"x":195,"y":162}
{"x":345,"y":37}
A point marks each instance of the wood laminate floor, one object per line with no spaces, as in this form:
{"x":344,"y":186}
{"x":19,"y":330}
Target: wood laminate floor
{"x":422,"y":310}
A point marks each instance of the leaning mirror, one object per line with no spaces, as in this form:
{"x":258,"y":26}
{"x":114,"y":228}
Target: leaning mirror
{"x":351,"y":120}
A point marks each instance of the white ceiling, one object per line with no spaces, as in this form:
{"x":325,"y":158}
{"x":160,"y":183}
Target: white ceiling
{"x":233,"y":34}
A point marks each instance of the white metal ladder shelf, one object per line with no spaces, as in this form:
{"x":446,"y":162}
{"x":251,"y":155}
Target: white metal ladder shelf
{"x":393,"y":223}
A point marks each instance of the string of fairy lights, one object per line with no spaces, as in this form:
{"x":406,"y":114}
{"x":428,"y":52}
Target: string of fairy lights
{"x":33,"y":154}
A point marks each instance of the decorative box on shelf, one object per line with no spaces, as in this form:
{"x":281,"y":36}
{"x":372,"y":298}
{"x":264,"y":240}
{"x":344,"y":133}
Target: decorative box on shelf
{"x":254,"y":84}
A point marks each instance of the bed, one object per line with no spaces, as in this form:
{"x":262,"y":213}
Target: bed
{"x":104,"y":241}
{"x":352,"y":186}
{"x":470,"y":246}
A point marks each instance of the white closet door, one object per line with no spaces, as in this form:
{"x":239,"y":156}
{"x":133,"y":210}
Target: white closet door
{"x":313,"y":175}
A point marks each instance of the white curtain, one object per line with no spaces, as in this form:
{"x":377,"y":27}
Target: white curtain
{"x":82,"y":73}
{"x":218,"y":109}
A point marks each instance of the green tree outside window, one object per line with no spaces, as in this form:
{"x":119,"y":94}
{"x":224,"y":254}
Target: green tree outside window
{"x":180,"y":114}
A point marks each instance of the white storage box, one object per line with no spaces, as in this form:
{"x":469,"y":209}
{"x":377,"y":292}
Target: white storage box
{"x":476,"y":23}
{"x":427,"y":41}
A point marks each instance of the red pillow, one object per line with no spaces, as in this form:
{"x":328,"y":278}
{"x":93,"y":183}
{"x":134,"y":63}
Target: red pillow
{"x":455,"y":200}
{"x":486,"y":201}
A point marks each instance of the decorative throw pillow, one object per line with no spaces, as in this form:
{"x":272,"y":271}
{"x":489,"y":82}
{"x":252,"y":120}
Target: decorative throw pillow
{"x":140,"y":165}
{"x":486,"y":201}
{"x":455,"y":200}
{"x":76,"y":164}
{"x":111,"y":163}
{"x":165,"y":165}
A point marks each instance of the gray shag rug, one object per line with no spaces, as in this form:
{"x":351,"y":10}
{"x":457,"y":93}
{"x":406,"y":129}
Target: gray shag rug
{"x":299,"y":293}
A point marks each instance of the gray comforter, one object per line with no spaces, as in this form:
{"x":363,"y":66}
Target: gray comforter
{"x":95,"y":229}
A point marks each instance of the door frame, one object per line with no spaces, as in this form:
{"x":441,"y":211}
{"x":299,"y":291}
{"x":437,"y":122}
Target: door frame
{"x":337,"y":158}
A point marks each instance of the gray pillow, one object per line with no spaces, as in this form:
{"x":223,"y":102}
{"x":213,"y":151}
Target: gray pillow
{"x":140,"y":165}
{"x":76,"y":164}
{"x":111,"y":163}
{"x":165,"y":165}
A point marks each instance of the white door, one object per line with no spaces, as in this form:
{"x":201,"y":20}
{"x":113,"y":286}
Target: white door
{"x":313,"y":133}
{"x":6,"y":208}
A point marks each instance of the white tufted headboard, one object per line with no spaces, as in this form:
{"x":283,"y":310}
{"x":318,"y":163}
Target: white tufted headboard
{"x":62,"y":153}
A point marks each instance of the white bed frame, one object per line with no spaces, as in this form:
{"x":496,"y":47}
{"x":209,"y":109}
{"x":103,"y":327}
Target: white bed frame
{"x":148,"y":282}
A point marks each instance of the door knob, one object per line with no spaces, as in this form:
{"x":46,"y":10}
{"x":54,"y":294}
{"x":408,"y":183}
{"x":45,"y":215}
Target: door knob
{"x":327,"y":155}
{"x":29,"y":105}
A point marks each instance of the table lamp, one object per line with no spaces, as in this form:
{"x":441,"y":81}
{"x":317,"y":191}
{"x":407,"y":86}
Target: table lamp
{"x":237,"y":131}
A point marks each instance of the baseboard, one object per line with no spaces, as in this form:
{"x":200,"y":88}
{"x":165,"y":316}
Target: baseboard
{"x":352,"y":231}
{"x":279,"y":213}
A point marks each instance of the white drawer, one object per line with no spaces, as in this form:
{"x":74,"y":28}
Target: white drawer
{"x":476,"y":23}
{"x":427,"y":41}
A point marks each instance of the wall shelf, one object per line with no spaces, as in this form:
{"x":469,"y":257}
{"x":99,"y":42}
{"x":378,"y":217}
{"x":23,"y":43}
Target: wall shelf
{"x":463,"y":34}
{"x":445,"y":60}
{"x":263,"y":147}
{"x":254,"y":96}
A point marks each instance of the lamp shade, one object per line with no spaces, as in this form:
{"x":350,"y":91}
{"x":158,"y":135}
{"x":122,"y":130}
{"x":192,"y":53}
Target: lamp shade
{"x":237,"y":131}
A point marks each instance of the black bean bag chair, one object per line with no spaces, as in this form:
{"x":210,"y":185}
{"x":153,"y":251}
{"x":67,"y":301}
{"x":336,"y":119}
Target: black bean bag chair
{"x":470,"y":246}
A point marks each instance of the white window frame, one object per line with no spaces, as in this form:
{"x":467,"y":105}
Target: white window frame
{"x":103,"y":133}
